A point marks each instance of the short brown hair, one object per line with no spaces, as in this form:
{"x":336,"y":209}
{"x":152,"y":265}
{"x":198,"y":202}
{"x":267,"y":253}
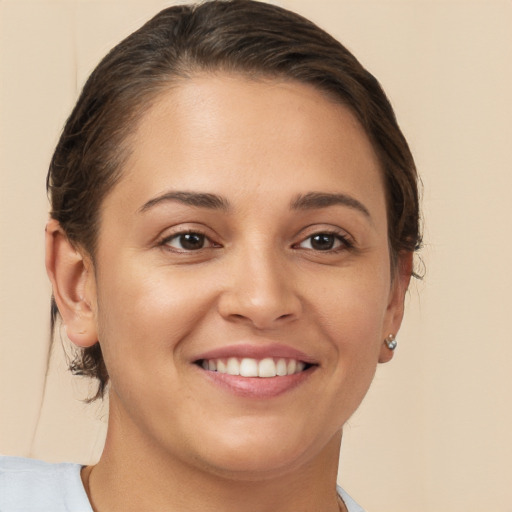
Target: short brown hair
{"x":240,"y":36}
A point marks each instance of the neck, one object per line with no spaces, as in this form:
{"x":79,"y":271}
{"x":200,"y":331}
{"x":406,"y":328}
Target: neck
{"x":133,"y":474}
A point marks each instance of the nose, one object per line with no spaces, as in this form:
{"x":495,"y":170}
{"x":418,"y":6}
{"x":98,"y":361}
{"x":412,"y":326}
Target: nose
{"x":260,"y":290}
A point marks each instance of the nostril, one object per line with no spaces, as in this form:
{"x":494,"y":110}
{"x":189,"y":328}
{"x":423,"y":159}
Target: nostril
{"x":255,"y":304}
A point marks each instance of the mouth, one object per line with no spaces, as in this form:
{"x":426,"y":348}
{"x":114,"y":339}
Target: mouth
{"x":256,"y":377}
{"x":258,"y":371}
{"x":249,"y":367}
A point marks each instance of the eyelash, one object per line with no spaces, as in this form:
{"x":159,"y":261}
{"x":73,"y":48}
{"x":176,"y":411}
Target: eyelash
{"x":344,"y":241}
{"x":165,"y":242}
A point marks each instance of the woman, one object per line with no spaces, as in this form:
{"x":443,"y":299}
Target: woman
{"x":234,"y":214}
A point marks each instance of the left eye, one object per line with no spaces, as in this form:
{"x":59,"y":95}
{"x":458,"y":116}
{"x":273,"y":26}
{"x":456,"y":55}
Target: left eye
{"x":188,"y":241}
{"x":323,"y":242}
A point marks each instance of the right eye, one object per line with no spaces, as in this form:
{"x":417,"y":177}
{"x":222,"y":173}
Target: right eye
{"x":190,"y":241}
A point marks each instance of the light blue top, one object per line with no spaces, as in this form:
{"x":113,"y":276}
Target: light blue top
{"x":28,"y":485}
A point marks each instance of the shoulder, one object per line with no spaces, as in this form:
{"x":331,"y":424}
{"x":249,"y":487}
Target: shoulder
{"x":351,"y":505}
{"x":27,"y":484}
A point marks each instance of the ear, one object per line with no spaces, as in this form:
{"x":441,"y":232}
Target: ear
{"x":395,"y":310}
{"x":72,"y":278}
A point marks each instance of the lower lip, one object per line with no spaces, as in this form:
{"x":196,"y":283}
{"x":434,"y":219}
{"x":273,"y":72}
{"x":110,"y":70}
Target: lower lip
{"x":258,"y":387}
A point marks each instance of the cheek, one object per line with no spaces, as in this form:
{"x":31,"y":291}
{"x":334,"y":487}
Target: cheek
{"x":353,"y":316}
{"x":349,"y":310}
{"x":353,"y":306}
{"x":144,"y":315}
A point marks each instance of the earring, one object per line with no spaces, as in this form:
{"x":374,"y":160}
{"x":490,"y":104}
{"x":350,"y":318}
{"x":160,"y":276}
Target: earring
{"x":391,"y":342}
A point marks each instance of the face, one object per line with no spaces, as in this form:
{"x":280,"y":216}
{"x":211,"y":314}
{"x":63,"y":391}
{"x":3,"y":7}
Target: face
{"x":247,"y":236}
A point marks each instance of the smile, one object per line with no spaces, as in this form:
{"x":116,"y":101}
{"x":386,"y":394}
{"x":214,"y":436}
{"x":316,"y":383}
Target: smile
{"x":250,"y":367}
{"x":256,"y":370}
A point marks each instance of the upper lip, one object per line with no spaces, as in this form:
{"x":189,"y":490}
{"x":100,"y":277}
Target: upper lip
{"x":256,"y":351}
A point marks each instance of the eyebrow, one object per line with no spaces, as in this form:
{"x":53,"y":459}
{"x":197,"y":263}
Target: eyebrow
{"x":314,"y":200}
{"x":309,"y":201}
{"x":197,"y":199}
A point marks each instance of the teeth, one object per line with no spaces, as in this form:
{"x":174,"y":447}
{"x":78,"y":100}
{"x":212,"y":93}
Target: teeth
{"x":267,"y":368}
{"x":281,"y":367}
{"x":249,"y":367}
{"x":233,"y":366}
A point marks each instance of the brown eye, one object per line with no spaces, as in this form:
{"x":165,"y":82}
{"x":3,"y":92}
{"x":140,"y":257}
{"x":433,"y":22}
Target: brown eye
{"x":188,"y":241}
{"x":323,"y":242}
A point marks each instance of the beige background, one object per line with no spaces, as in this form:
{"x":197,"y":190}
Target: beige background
{"x":434,"y":434}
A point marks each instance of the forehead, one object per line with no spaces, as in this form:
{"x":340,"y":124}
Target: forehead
{"x":215,"y":131}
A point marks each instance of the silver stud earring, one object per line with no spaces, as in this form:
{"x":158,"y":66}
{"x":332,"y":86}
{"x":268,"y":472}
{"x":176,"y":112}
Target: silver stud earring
{"x":391,"y":342}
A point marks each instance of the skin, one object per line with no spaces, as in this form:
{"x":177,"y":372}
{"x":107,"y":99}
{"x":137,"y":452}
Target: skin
{"x":176,"y":439}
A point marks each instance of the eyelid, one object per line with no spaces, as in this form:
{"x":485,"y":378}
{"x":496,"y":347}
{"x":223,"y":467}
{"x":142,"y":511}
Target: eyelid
{"x":169,"y":239}
{"x":346,"y":240}
{"x":163,"y":241}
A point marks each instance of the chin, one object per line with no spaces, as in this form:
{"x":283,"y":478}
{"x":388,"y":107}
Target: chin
{"x":248,"y":465}
{"x":261,"y":453}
